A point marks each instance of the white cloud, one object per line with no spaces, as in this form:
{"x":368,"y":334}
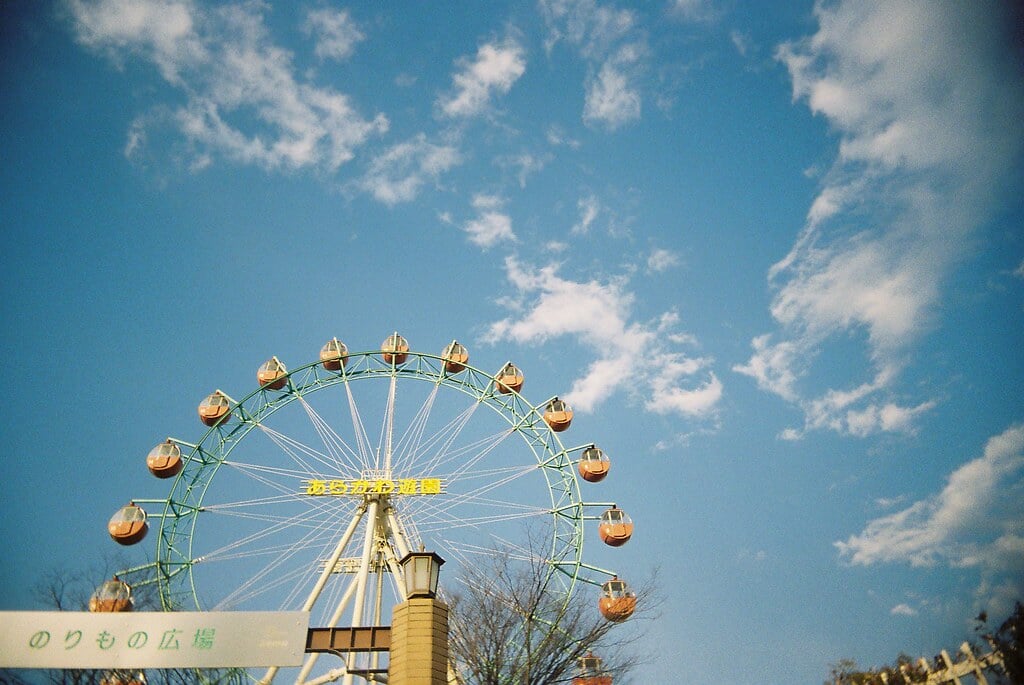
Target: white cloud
{"x":629,"y":356}
{"x":161,"y":30}
{"x":773,"y":367}
{"x":1019,"y":271}
{"x":496,"y":68}
{"x":556,"y":136}
{"x":612,"y":98}
{"x":591,"y":27}
{"x":589,"y":208}
{"x":670,"y":398}
{"x":903,"y":610}
{"x":335,"y":32}
{"x":888,"y":417}
{"x":491,"y":226}
{"x":243,"y":98}
{"x":975,"y":521}
{"x":661,"y":260}
{"x":136,"y":138}
{"x":692,"y":10}
{"x":398,"y":174}
{"x":741,"y":41}
{"x":929,"y":118}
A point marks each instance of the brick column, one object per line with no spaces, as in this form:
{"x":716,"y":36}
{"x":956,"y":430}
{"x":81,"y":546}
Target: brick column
{"x":419,"y":643}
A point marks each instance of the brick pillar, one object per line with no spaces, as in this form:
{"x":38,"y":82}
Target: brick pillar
{"x":419,"y":643}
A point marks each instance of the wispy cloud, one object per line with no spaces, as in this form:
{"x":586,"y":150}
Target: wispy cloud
{"x":692,"y":10}
{"x":397,"y":174}
{"x":612,"y":98}
{"x":243,"y":99}
{"x":741,"y":41}
{"x":929,"y":119}
{"x":524,"y":164}
{"x":495,"y":69}
{"x":557,"y":137}
{"x":589,"y":207}
{"x":611,"y":43}
{"x":975,"y":521}
{"x":661,"y":260}
{"x":639,"y":357}
{"x":903,"y":610}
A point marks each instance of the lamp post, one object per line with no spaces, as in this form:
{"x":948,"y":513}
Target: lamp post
{"x":421,"y":570}
{"x":419,"y":626}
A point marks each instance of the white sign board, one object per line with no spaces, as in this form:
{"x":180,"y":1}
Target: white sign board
{"x":200,"y":639}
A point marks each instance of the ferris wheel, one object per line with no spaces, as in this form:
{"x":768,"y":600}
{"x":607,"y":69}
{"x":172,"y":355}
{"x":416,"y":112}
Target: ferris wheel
{"x":307,"y":492}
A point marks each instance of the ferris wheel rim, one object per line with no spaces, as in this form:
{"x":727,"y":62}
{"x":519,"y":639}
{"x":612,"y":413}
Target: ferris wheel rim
{"x":420,"y":366}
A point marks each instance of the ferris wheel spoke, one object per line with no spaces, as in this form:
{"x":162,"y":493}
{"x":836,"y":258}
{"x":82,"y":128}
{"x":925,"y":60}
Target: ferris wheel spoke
{"x":256,"y":472}
{"x":262,"y":582}
{"x":296,"y":450}
{"x":440,"y":444}
{"x":344,"y":458}
{"x":279,"y":556}
{"x":293,"y":494}
{"x":291,"y":522}
{"x":506,"y":548}
{"x":287,"y":497}
{"x":266,"y":518}
{"x":477,"y":521}
{"x":458,"y":500}
{"x":413,"y":435}
{"x":363,"y":448}
{"x":256,"y":553}
{"x":278,"y":471}
{"x":482,"y":449}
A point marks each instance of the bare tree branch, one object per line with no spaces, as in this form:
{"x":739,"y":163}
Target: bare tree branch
{"x":508,"y":629}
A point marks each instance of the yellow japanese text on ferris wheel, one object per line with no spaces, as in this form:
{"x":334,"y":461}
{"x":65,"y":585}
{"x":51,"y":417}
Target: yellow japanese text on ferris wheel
{"x":358,"y":487}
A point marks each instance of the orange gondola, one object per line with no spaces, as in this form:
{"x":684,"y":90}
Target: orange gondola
{"x":332,"y":355}
{"x":615,"y":527}
{"x":214,"y":408}
{"x":618,"y":601}
{"x":455,"y":357}
{"x":272,"y":374}
{"x":113,"y":595}
{"x":591,"y":672}
{"x":594,"y":464}
{"x":558,"y":415}
{"x":128,"y":525}
{"x":509,"y":379}
{"x":395,"y":349}
{"x":164,"y":460}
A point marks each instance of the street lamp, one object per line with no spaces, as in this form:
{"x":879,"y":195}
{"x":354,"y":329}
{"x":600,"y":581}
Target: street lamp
{"x":421,"y":570}
{"x":419,"y":626}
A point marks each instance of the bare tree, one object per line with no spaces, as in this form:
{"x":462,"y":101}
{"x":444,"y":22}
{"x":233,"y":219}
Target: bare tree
{"x":508,"y":629}
{"x":1008,"y":638}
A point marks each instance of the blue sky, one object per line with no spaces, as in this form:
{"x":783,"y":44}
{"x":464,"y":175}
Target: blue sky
{"x":771,"y":254}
